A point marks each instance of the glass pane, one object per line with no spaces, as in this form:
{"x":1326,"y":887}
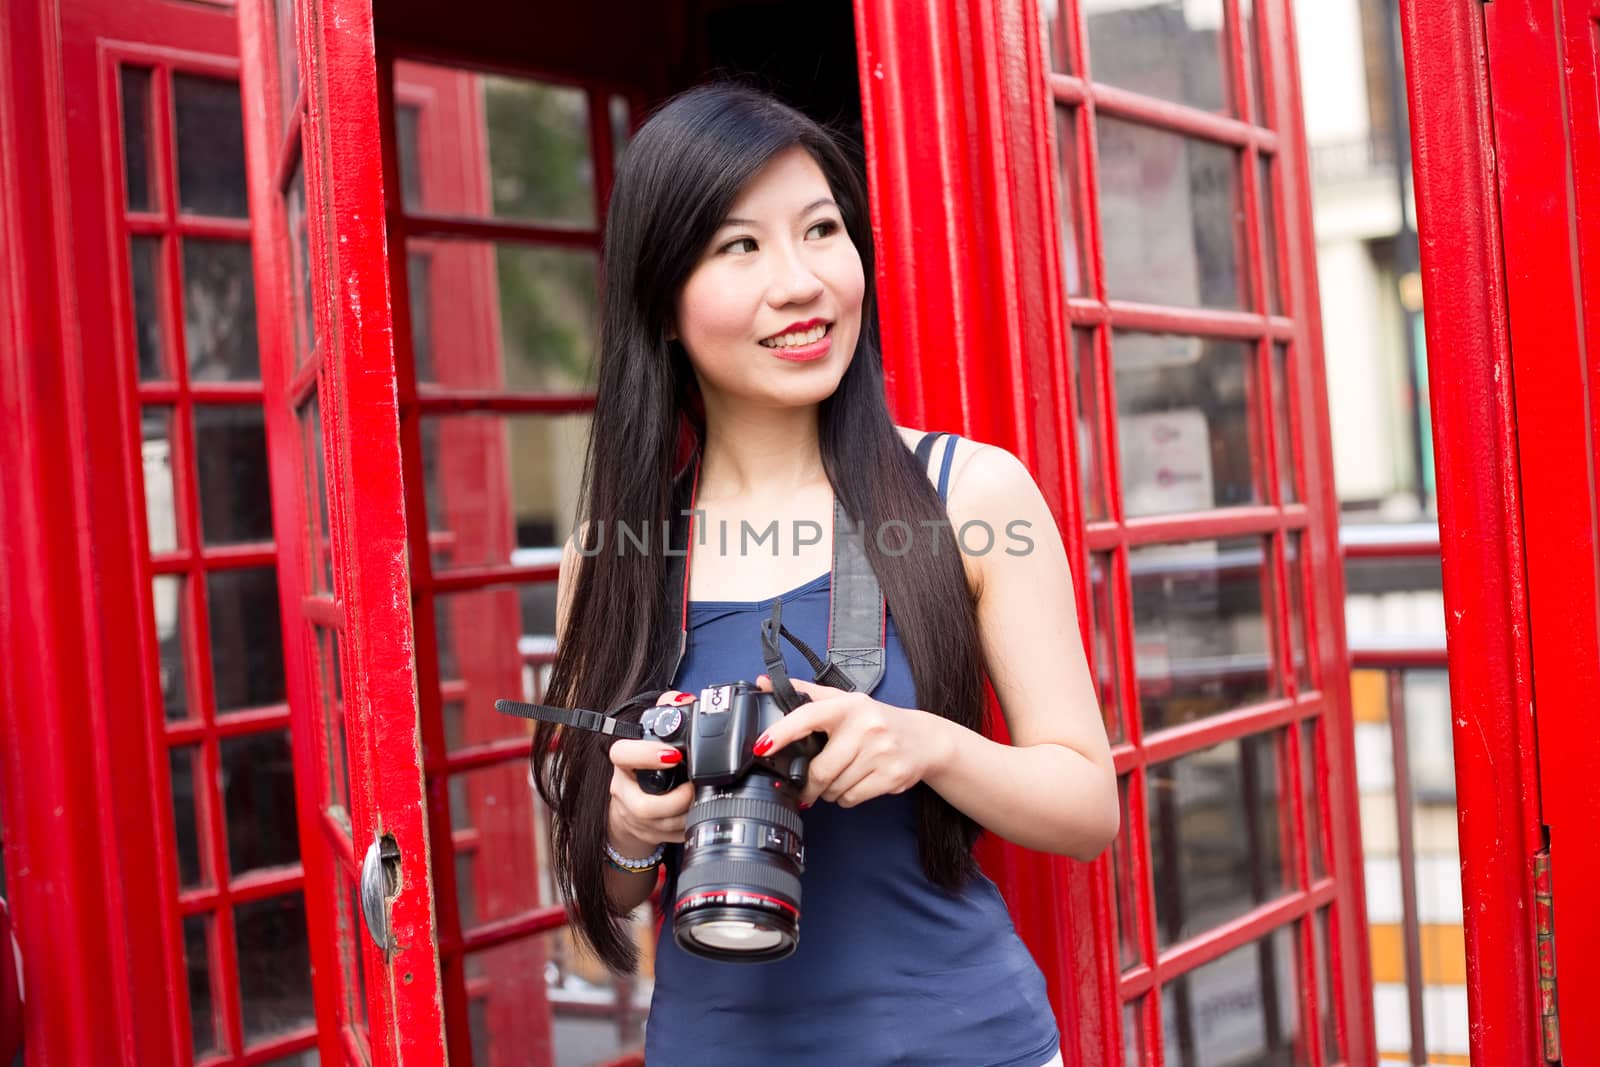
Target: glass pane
{"x":1184,"y":429}
{"x":486,"y":652}
{"x":168,"y":594}
{"x":294,"y":213}
{"x":337,"y":753}
{"x":1254,"y":47}
{"x":1169,"y":211}
{"x":1091,"y":465}
{"x":1216,"y":835}
{"x":246,"y":640}
{"x":186,"y":763}
{"x":547,"y":316}
{"x":540,"y":161}
{"x":1133,"y":1032}
{"x":210,"y":131}
{"x":148,"y":280}
{"x":589,"y":1015}
{"x":320,"y":546}
{"x":1298,"y":624}
{"x":138,"y":139}
{"x":285,"y":18}
{"x":494,"y":815}
{"x":1126,"y":884}
{"x":230,"y":443}
{"x":1106,"y":662}
{"x":1284,"y":428}
{"x":1072,"y":251}
{"x":1237,"y":1009}
{"x":501,"y":488}
{"x":1054,"y":33}
{"x":351,"y":936}
{"x":308,"y":1058}
{"x":219,"y":311}
{"x":1311,"y":787}
{"x":1200,"y":641}
{"x":158,"y":449}
{"x":258,"y":799}
{"x":1176,"y":51}
{"x":274,"y":966}
{"x":197,"y":932}
{"x":1429,"y":744}
{"x":1269,"y":233}
{"x":1332,"y":1042}
{"x":621,"y":127}
{"x":408,"y":145}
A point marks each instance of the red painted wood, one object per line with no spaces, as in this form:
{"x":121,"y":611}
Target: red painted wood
{"x":1480,"y":511}
{"x":1551,"y":241}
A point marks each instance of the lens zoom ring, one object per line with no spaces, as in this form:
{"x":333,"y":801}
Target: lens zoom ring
{"x":720,"y":873}
{"x":745,"y":808}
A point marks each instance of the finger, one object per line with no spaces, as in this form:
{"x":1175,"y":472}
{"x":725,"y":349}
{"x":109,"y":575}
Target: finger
{"x":869,"y":788}
{"x":806,"y":719}
{"x":857,"y":771}
{"x":814,"y":690}
{"x":674,"y":696}
{"x":644,"y":755}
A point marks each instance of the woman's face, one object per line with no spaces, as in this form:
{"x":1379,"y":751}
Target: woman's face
{"x":772,"y":311}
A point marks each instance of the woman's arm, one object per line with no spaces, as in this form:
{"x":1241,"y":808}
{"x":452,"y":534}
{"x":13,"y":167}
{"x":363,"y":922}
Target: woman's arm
{"x":1053,"y":787}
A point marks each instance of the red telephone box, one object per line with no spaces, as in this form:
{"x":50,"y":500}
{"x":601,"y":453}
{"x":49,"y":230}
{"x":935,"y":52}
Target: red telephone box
{"x":1507,"y":133}
{"x":1092,"y":251}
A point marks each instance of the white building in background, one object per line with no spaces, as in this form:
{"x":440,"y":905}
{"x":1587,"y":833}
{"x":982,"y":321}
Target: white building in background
{"x":1383,"y":473}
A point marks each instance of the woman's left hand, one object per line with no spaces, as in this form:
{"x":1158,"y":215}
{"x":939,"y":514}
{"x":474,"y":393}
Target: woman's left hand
{"x":872,"y":748}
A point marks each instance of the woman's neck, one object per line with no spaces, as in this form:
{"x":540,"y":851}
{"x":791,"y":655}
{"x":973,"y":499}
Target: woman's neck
{"x":754,"y":453}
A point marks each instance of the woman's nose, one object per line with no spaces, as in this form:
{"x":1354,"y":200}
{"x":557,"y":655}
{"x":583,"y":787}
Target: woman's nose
{"x":793,"y":281}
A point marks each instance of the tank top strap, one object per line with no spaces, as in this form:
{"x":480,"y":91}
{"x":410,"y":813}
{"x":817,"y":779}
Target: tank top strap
{"x":925,"y":450}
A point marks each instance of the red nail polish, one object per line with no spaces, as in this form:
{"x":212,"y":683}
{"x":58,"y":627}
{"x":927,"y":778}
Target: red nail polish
{"x":804,"y":805}
{"x":763,"y":745}
{"x":684,"y":698}
{"x":669,"y":756}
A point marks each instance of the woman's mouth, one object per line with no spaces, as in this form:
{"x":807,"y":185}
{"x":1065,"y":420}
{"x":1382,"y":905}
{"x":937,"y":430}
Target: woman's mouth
{"x":802,"y":345}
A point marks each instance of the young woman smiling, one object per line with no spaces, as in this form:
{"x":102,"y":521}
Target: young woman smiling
{"x":739,"y":312}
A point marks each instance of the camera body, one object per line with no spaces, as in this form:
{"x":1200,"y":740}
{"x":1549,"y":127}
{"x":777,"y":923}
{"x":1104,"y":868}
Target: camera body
{"x":717,"y":734}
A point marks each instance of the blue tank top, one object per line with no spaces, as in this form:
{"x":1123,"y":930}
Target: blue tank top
{"x":891,"y":969}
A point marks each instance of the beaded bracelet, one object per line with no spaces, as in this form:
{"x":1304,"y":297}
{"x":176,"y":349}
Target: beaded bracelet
{"x":623,"y":863}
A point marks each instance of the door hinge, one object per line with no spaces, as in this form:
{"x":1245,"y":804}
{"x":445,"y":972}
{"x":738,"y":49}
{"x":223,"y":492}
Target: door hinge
{"x":1545,"y":933}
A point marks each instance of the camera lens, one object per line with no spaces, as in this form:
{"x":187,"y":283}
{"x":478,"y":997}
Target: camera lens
{"x":738,"y":892}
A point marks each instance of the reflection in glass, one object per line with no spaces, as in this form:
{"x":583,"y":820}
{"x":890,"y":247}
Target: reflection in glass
{"x":300,"y":265}
{"x":1298,"y":624}
{"x":246,"y":639}
{"x":1311,"y":789}
{"x":577,"y":1010}
{"x":185,"y":763}
{"x":1133,"y":1032}
{"x":209,"y":126}
{"x":1053,"y":31}
{"x":1255,"y":58}
{"x":473,"y":465}
{"x":274,"y":966}
{"x":1200,"y":641}
{"x":138,"y":141}
{"x":1269,"y":234}
{"x":1175,"y":51}
{"x":1184,"y":430}
{"x":1086,"y":393}
{"x":231,"y":466}
{"x":1126,"y":884}
{"x":1283,"y":432}
{"x":1170,"y":214}
{"x":540,"y":163}
{"x":148,"y":282}
{"x":320,"y":554}
{"x":157,"y":450}
{"x":219,"y":311}
{"x":171,"y":608}
{"x":331,"y":681}
{"x":547,"y":316}
{"x":197,"y":963}
{"x":485,"y":640}
{"x":1106,"y":663}
{"x":1216,"y":835}
{"x":408,"y":147}
{"x":1072,"y":251}
{"x":257,"y":785}
{"x":284,"y":19}
{"x":1334,"y":1051}
{"x":1241,"y":1008}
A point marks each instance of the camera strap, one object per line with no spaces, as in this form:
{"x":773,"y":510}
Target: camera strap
{"x":583,"y":718}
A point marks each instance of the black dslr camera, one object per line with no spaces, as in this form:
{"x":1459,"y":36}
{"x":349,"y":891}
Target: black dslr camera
{"x":738,"y":891}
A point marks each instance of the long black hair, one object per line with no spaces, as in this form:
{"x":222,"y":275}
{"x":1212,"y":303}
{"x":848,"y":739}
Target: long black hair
{"x":680,"y":176}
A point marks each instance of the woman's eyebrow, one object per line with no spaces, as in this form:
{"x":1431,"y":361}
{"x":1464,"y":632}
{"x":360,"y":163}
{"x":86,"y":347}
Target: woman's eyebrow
{"x":808,"y":209}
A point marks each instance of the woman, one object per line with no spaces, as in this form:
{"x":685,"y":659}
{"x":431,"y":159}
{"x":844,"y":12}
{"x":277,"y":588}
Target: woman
{"x":739,"y":311}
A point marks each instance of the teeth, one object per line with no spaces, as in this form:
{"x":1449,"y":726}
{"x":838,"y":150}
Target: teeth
{"x":805,"y":337}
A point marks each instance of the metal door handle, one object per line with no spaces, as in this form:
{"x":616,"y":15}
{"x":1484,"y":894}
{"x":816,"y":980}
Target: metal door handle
{"x":380,"y":881}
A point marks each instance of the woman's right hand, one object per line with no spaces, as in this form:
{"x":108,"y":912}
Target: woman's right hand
{"x":639,"y":821}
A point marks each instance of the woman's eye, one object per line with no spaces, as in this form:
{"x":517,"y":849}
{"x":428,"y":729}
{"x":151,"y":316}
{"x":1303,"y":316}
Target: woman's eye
{"x":827,"y":226}
{"x":737,"y":245}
